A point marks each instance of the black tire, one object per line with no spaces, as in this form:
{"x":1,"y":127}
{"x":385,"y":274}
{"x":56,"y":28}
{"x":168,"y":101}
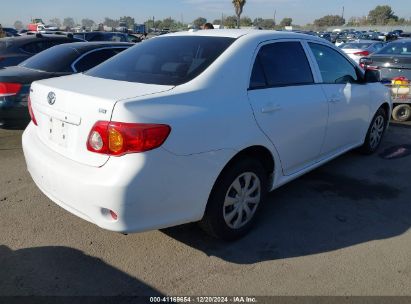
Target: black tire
{"x":401,"y":112}
{"x":370,"y":146}
{"x":214,"y":219}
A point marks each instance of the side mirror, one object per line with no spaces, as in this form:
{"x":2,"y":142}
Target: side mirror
{"x":371,"y":76}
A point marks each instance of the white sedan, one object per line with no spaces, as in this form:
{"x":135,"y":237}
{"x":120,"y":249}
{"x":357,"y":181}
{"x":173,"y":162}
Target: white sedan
{"x":198,"y":126}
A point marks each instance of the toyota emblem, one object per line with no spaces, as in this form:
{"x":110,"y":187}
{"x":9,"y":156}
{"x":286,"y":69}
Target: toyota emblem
{"x":51,"y":98}
{"x":396,"y":60}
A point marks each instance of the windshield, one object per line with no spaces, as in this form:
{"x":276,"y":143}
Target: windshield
{"x":55,"y":59}
{"x":396,"y":48}
{"x":356,"y":46}
{"x":169,"y":60}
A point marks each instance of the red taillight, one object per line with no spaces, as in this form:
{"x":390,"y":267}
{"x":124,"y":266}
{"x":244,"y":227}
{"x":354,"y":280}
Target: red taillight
{"x":33,"y":118}
{"x":401,"y":80}
{"x":9,"y":89}
{"x":363,"y":53}
{"x":119,"y":138}
{"x":114,"y":215}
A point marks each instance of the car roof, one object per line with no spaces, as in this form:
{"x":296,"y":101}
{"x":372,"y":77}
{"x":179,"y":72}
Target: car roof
{"x":247,"y":33}
{"x":87,"y":46}
{"x":98,"y":32}
{"x":25,"y":38}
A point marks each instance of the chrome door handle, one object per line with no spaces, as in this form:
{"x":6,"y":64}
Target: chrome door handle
{"x":271,"y":108}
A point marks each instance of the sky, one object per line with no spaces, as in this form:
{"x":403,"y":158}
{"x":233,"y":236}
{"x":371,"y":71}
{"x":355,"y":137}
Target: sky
{"x":302,"y":11}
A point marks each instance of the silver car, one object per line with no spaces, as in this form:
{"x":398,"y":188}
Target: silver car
{"x":361,"y":48}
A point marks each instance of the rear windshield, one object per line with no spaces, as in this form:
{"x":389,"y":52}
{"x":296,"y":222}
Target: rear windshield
{"x":396,"y":48}
{"x":56,"y":59}
{"x":164,"y":60}
{"x":356,"y":46}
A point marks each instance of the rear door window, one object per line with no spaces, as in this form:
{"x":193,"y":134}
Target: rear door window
{"x":281,"y":64}
{"x":334,"y":67}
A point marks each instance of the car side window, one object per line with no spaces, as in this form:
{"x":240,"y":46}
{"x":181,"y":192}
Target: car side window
{"x":96,"y":37}
{"x":92,"y":59}
{"x":35,"y":47}
{"x":333,"y":66}
{"x":258,"y":79}
{"x":379,"y":46}
{"x":281,"y":64}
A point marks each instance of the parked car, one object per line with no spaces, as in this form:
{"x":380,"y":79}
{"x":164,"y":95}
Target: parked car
{"x":17,"y":49}
{"x":10,"y":32}
{"x":393,"y":63}
{"x":404,"y":35}
{"x":102,"y":36}
{"x":360,"y":48}
{"x":371,"y":36}
{"x":198,"y":126}
{"x":60,"y":60}
{"x":326,"y":36}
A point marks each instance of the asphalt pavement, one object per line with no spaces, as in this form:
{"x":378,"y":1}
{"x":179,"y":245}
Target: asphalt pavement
{"x":343,"y":229}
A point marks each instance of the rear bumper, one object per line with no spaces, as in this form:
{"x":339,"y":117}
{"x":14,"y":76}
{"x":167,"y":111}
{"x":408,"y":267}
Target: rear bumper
{"x":18,"y":116}
{"x":147,"y":190}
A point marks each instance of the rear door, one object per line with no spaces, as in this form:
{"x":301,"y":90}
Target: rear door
{"x":347,"y":96}
{"x":289,"y":107}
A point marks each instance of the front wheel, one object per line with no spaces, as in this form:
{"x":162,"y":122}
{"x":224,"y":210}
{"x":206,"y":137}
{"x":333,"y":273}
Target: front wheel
{"x":401,"y":112}
{"x":235,"y":200}
{"x":375,"y":132}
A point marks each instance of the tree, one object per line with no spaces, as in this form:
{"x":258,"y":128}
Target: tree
{"x":55,"y":22}
{"x":245,"y":21}
{"x":18,"y":25}
{"x":286,"y":22}
{"x":168,"y":23}
{"x":199,"y":22}
{"x":381,"y":15}
{"x":129,"y":21}
{"x":158,"y":24}
{"x":329,"y":20}
{"x":230,"y":22}
{"x":110,"y":22}
{"x":69,"y":22}
{"x":266,"y":24}
{"x":217,"y":21}
{"x":238,"y":6}
{"x":87,"y":23}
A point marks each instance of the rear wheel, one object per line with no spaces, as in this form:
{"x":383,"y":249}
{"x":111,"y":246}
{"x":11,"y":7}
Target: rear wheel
{"x":401,"y":112}
{"x":235,"y":200}
{"x":375,"y":132}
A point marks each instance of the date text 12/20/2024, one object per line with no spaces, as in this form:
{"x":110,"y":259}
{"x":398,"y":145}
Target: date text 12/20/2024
{"x":203,"y":299}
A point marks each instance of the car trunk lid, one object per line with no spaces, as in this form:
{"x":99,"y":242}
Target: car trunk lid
{"x":66,"y":108}
{"x":392,"y":66}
